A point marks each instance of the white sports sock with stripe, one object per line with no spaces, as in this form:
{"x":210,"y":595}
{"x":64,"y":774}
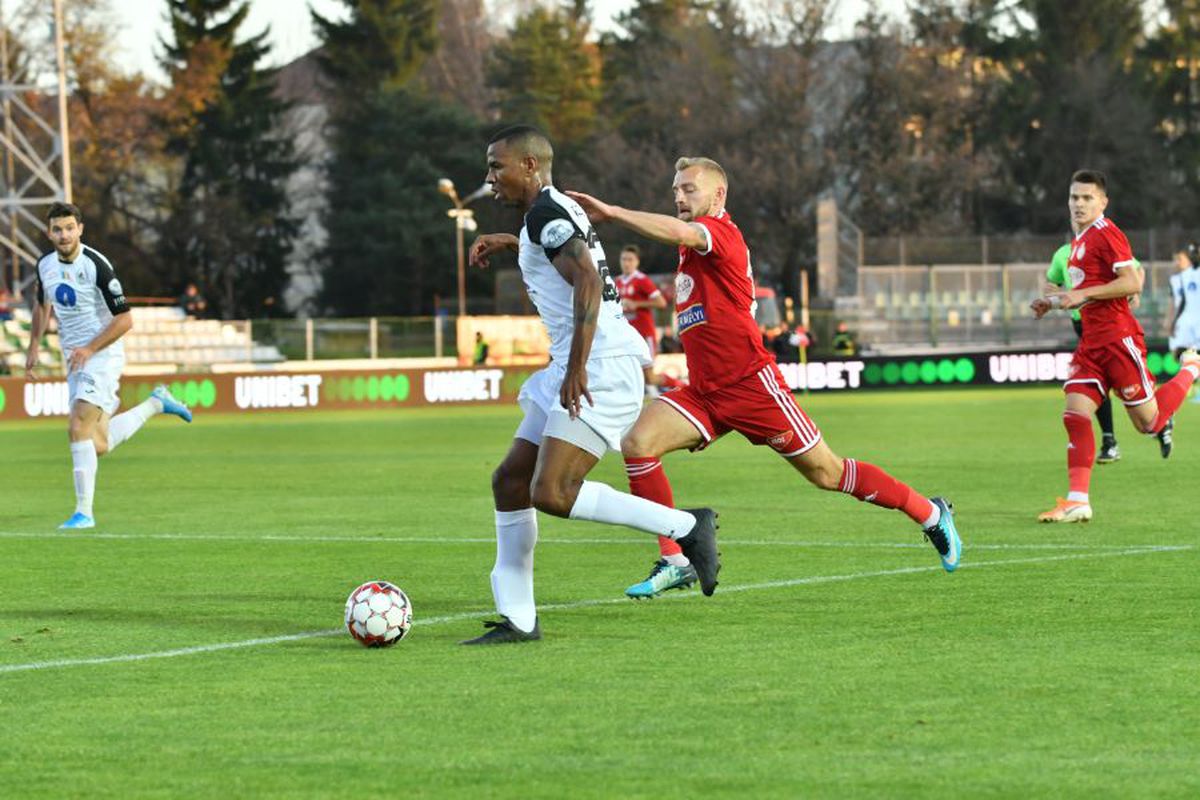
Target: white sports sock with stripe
{"x":83,"y":457}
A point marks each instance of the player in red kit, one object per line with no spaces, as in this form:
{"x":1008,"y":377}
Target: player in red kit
{"x":639,"y":296}
{"x":1112,"y":353}
{"x":734,"y":381}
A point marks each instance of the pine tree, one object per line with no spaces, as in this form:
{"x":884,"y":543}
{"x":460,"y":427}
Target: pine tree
{"x":390,"y":246}
{"x":547,"y":73}
{"x":229,"y":226}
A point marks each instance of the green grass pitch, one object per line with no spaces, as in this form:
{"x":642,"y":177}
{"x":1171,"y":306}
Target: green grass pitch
{"x":835,"y":660}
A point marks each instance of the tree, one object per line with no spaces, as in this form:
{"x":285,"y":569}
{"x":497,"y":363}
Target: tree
{"x":1073,"y":100}
{"x":390,"y":246}
{"x":1171,"y":65}
{"x":547,"y":73}
{"x":229,"y":225}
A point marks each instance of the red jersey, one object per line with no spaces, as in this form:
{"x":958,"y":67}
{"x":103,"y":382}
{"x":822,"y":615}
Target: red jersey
{"x":714,"y":308}
{"x":1096,"y":255}
{"x":638,"y":287}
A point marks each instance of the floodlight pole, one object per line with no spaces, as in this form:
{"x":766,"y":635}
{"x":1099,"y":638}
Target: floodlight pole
{"x":63,"y":128}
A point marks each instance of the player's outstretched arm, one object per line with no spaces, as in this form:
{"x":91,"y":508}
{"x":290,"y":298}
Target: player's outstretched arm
{"x":660,"y":227}
{"x":488,"y":243}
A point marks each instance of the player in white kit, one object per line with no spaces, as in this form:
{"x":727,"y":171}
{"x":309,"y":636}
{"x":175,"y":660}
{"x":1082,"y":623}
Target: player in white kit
{"x":78,"y":284}
{"x":1184,"y":318}
{"x":579,"y":406}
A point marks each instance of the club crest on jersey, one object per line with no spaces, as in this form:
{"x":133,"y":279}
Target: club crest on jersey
{"x":780,"y":440}
{"x":1075,"y":276}
{"x":114,"y":288}
{"x":683,"y":287}
{"x":690,"y":317}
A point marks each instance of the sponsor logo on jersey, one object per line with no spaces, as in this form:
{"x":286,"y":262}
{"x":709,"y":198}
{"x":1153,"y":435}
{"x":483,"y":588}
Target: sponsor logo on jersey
{"x":690,"y":317}
{"x":556,"y":233}
{"x":780,"y":440}
{"x":1075,"y":276}
{"x":1130,"y":391}
{"x":64,"y":295}
{"x":683,"y":287}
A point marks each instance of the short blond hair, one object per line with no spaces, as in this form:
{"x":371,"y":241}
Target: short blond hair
{"x":687,"y":162}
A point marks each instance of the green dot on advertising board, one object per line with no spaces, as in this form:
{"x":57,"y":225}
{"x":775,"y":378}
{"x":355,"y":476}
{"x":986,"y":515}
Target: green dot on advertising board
{"x":1170,"y":365}
{"x":929,"y":372}
{"x":343,"y":388}
{"x":387,"y":388}
{"x":1154,"y":362}
{"x":872,"y":374}
{"x":2,"y":401}
{"x":891,"y":373}
{"x":945,"y":371}
{"x":964,"y":370}
{"x":191,"y":393}
{"x":208,"y":393}
{"x":373,"y":388}
{"x":910,"y":373}
{"x":401,"y":388}
{"x":360,"y":389}
{"x":176,"y":388}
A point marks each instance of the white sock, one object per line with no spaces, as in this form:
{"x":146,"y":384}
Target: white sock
{"x":935,"y":517}
{"x":676,"y":560}
{"x":122,"y":426}
{"x":512,"y":577}
{"x":83,"y":457}
{"x":1077,"y":497}
{"x":599,"y":502}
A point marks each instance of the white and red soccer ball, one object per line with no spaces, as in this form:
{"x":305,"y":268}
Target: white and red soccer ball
{"x":378,"y":614}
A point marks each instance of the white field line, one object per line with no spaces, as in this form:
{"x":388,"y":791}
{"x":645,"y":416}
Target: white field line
{"x":439,"y":620}
{"x":627,"y":540}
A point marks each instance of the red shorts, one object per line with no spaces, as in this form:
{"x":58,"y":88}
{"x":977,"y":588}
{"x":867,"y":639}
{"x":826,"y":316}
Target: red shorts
{"x":1118,"y":366}
{"x":760,"y":407}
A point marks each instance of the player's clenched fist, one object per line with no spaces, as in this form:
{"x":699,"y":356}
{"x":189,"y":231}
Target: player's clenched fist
{"x":483,"y":247}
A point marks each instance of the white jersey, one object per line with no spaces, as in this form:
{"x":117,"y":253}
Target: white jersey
{"x":1185,"y":288}
{"x":553,"y":220}
{"x":85,"y":294}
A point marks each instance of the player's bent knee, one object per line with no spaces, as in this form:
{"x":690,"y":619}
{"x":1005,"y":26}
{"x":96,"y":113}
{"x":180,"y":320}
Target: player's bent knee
{"x":553,"y":497}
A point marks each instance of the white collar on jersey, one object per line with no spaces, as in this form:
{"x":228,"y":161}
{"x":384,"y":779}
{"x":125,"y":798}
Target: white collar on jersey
{"x":1095,"y":222}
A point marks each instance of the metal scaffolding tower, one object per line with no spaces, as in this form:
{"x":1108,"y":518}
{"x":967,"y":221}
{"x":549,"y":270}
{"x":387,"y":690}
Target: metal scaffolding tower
{"x":37,"y":159}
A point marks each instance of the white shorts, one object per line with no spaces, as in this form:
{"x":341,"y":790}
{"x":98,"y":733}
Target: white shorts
{"x":1186,"y":334}
{"x":98,"y":382}
{"x":616,"y":385}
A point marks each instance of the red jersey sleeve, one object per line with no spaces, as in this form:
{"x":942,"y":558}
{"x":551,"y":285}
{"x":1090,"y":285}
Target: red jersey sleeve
{"x":722,"y":237}
{"x":1118,"y":245}
{"x":646,"y":287}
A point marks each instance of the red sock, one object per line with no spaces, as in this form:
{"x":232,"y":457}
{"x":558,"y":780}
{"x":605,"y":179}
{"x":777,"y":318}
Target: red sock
{"x":647,"y":479}
{"x":1170,"y":396}
{"x":869,"y":483}
{"x":1081,"y":450}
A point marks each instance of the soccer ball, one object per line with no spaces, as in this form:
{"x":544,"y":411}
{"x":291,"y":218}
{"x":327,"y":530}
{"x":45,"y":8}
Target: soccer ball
{"x":378,"y":614}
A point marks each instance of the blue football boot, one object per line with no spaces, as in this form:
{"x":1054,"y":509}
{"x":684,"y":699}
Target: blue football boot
{"x":170,"y":404}
{"x":664,"y":576}
{"x":77,"y":522}
{"x":944,"y":535}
